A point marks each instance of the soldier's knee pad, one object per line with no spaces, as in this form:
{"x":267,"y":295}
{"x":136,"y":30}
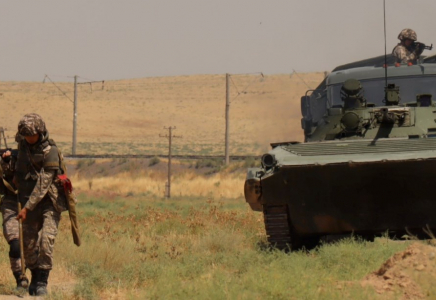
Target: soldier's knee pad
{"x":14,"y":251}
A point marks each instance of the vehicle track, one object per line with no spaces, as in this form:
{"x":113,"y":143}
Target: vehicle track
{"x":277,"y":225}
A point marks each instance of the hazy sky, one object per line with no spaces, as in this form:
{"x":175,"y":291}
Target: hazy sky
{"x":108,"y":39}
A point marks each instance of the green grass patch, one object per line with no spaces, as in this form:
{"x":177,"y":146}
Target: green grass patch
{"x":152,"y":248}
{"x":196,"y":248}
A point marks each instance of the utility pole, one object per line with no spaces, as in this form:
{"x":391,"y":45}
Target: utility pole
{"x":227,"y":141}
{"x":75,"y":109}
{"x":227,"y":155}
{"x":2,"y":134}
{"x":73,"y":152}
{"x":94,"y":81}
{"x":169,"y":136}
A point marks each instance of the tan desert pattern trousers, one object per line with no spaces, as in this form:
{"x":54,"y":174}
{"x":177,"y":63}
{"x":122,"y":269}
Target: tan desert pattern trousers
{"x":39,"y":231}
{"x":10,"y":229}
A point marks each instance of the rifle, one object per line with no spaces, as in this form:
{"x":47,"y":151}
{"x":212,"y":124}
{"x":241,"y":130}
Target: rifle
{"x":422,"y":46}
{"x":71,"y":204}
{"x":23,"y":277}
{"x":7,"y":159}
{"x":14,"y":152}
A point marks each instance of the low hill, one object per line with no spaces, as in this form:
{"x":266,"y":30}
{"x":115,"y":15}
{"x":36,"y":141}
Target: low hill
{"x":127,"y":116}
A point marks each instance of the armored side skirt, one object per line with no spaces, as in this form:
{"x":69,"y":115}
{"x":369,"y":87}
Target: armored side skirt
{"x":366,"y":197}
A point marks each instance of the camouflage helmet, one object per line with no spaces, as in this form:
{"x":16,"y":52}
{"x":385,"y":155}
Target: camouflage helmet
{"x":407,"y":34}
{"x":31,"y":124}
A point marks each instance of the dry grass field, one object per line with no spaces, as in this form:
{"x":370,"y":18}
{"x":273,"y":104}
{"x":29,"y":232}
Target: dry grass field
{"x":127,"y":116}
{"x":137,"y":177}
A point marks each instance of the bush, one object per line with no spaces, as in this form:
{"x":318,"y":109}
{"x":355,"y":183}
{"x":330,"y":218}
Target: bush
{"x":215,"y":165}
{"x":208,"y":163}
{"x":84,"y":163}
{"x":251,"y":162}
{"x":154,"y":161}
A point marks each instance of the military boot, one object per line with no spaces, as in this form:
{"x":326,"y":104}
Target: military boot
{"x":22,"y":281}
{"x":41,"y":284}
{"x":33,"y":281}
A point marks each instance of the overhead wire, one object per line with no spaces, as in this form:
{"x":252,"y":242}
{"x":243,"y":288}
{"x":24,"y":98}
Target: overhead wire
{"x":246,"y":87}
{"x":231,"y":79}
{"x":252,"y":73}
{"x":59,"y":89}
{"x":386,"y":64}
{"x":90,"y":79}
{"x":295,"y":72}
{"x":63,"y":76}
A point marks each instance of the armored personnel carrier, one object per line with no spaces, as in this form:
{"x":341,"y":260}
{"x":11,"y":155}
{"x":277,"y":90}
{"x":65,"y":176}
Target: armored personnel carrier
{"x":368,"y":160}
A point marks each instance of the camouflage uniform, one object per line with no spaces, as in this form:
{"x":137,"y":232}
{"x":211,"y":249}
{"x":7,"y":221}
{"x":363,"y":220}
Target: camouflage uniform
{"x":9,"y":210}
{"x":407,"y":54}
{"x":42,"y":194}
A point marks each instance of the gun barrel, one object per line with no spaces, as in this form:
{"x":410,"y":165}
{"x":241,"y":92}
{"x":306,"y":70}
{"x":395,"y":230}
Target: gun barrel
{"x":423,"y":46}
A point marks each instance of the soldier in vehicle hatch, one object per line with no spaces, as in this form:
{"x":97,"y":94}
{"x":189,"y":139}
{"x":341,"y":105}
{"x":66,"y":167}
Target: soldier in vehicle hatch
{"x":42,"y":197}
{"x":408,"y":50}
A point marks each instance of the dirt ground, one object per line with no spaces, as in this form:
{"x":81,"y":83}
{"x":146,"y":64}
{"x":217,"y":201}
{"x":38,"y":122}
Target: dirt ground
{"x":406,"y":275}
{"x":11,"y":297}
{"x":61,"y":281}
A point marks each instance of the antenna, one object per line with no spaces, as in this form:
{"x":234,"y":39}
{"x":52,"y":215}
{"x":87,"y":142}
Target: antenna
{"x":386,"y":64}
{"x":392,"y":92}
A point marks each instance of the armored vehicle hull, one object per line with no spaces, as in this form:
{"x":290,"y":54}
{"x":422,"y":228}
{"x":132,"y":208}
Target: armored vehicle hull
{"x":365,"y":169}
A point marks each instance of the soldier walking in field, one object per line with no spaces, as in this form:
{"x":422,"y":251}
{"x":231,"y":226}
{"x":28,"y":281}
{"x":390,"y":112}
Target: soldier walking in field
{"x":408,"y":50}
{"x":41,"y":194}
{"x":9,"y":210}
